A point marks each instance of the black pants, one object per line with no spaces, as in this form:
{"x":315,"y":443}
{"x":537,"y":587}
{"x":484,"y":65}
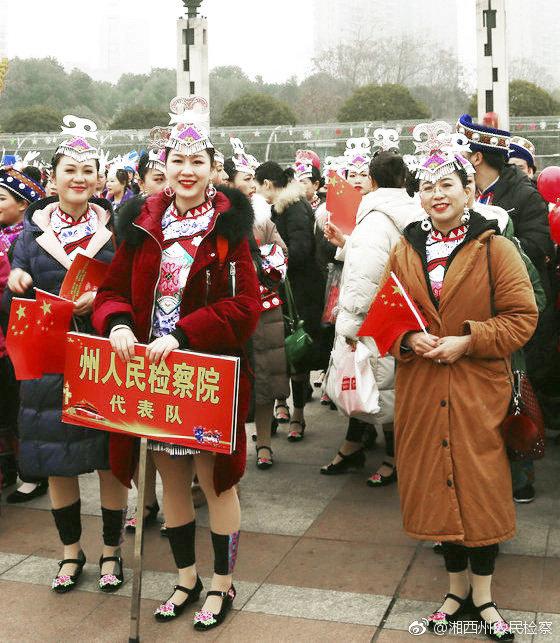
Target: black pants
{"x":482,"y":559}
{"x":357,"y":428}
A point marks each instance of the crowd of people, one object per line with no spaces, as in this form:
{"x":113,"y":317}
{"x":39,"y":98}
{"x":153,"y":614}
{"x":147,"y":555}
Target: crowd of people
{"x":228,"y":256}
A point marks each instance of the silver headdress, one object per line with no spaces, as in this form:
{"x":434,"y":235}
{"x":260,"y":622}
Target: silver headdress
{"x":77,"y":147}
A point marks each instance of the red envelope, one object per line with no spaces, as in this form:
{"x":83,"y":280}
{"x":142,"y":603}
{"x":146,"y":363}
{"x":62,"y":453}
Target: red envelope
{"x":85,"y":274}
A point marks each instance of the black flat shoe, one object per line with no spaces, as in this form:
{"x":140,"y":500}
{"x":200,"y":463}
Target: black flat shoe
{"x":63,"y":583}
{"x":17,"y":496}
{"x":354,"y":460}
{"x":296,"y":436}
{"x":168,"y":611}
{"x":377,"y":480}
{"x":205,"y":620}
{"x":264,"y":463}
{"x":439,"y":622}
{"x":150,"y":518}
{"x":110,"y":582}
{"x":498,"y":630}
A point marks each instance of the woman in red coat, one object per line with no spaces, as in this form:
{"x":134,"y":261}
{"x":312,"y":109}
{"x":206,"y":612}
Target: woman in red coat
{"x":184,"y":278}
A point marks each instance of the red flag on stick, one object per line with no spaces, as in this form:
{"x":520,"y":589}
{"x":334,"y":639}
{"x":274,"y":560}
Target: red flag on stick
{"x":391,"y":314}
{"x":53,"y":316}
{"x":36,"y":338}
{"x":20,"y":339}
{"x":342,"y":202}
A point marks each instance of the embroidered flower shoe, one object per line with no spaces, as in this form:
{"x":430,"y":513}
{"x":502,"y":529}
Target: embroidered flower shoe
{"x":206,"y":620}
{"x":63,"y":583}
{"x":111,"y":582}
{"x":168,"y":611}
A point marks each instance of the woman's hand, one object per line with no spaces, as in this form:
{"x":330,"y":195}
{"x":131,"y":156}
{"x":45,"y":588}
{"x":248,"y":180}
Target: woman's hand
{"x":84,"y":304}
{"x":19,"y":281}
{"x":160,"y":348}
{"x":122,"y":342}
{"x":420,"y":343}
{"x":449,"y":349}
{"x":334,"y":235}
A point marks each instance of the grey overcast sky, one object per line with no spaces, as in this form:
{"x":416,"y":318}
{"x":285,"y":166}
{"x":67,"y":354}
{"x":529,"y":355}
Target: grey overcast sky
{"x":272,"y":38}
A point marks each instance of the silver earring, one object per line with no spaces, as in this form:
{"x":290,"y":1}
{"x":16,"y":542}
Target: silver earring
{"x":426,"y":225}
{"x":210,"y":192}
{"x":170,"y":192}
{"x":466,"y":216}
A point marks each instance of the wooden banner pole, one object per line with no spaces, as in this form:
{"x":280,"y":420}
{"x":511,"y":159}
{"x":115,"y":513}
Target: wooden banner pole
{"x":134,"y":636}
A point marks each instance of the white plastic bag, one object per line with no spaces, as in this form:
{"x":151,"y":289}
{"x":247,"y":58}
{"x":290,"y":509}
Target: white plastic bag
{"x":350,"y":382}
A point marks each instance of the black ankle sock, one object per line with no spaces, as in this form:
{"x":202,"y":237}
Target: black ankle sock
{"x":225,"y":552}
{"x":69,"y":523}
{"x":113,"y":526}
{"x":181,"y":540}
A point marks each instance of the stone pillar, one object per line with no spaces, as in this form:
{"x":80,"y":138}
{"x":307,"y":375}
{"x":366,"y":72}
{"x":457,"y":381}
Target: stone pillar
{"x":492,"y":65}
{"x":192,"y":57}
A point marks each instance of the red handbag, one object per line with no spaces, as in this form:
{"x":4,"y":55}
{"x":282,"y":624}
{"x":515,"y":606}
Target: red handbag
{"x":523,"y":427}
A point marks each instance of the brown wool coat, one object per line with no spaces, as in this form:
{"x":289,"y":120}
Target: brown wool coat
{"x":270,"y":366}
{"x":454,"y":475}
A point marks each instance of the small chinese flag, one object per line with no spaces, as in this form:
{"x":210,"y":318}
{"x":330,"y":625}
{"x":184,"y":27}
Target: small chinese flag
{"x":391,"y":314}
{"x":52,"y":321}
{"x":20,"y":340}
{"x":85,"y":274}
{"x":342,"y":202}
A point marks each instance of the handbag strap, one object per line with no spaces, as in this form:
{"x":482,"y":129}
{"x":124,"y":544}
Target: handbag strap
{"x":290,"y":302}
{"x":514,"y":377}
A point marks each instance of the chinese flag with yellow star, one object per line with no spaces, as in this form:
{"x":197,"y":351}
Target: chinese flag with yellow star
{"x":52,"y":321}
{"x":20,"y":339}
{"x":342,"y":202}
{"x":392,"y":313}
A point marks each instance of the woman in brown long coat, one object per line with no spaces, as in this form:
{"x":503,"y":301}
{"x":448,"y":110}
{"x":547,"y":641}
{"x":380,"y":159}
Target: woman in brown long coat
{"x":453,"y":389}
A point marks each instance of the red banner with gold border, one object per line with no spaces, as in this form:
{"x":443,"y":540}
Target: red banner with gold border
{"x":190,"y":399}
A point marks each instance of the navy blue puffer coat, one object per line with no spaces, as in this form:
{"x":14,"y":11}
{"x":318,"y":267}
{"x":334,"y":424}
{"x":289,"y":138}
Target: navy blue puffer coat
{"x":47,"y":446}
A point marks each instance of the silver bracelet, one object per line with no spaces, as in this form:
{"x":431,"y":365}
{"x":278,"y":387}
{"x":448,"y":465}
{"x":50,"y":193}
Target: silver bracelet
{"x":118,"y":327}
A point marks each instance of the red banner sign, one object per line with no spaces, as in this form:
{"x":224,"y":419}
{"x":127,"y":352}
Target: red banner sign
{"x":189,"y":399}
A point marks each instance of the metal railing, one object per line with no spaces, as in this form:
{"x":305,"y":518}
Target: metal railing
{"x":280,"y":143}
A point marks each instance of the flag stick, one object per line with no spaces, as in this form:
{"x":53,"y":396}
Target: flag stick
{"x":410,"y":304}
{"x":134,"y":636}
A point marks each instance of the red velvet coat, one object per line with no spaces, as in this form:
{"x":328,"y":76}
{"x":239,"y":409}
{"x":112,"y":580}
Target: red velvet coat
{"x":211,"y":320}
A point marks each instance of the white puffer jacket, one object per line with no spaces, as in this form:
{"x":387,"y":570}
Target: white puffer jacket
{"x":382,"y":216}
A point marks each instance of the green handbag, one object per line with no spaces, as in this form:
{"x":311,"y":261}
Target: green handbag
{"x":298,"y":342}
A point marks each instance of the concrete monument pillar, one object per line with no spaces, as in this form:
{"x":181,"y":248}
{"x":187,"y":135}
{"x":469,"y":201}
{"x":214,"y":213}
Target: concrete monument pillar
{"x":492,"y":65}
{"x":192,"y":52}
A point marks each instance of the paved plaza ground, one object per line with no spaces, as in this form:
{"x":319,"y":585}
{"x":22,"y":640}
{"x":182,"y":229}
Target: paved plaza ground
{"x":321,"y":559}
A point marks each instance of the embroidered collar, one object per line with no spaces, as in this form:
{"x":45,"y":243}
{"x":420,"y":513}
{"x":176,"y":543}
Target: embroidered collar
{"x":9,"y":234}
{"x":193,"y":212}
{"x":59,"y":217}
{"x":452,"y":235}
{"x":489,"y":189}
{"x":315,"y":202}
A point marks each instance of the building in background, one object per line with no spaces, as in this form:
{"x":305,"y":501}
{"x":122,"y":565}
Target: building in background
{"x":343,"y":21}
{"x":123,"y":45}
{"x":531,"y":30}
{"x":532,"y":39}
